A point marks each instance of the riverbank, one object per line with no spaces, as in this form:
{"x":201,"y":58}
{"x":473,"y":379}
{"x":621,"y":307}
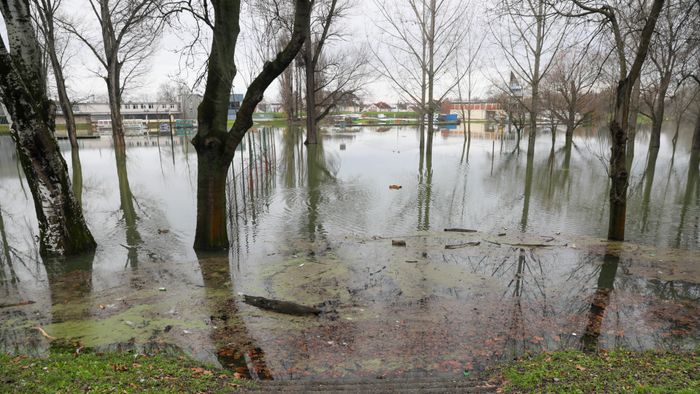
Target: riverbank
{"x":69,"y":370}
{"x":616,"y":371}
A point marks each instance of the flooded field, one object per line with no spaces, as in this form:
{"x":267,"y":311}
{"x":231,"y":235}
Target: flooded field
{"x":315,"y":226}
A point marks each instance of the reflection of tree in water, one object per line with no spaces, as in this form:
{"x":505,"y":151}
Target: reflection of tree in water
{"x":425,"y":184}
{"x":526,"y":284}
{"x":129,"y":216}
{"x":235,"y":348}
{"x":310,"y":168}
{"x":6,"y":265}
{"x":601,"y":300}
{"x":649,"y":181}
{"x":690,"y":197}
{"x":251,"y":183}
{"x":70,"y":286}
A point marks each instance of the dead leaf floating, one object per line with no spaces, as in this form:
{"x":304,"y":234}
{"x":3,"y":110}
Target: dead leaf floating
{"x":394,"y":187}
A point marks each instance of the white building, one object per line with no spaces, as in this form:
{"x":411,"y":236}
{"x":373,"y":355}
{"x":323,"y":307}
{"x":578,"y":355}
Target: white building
{"x":151,"y":110}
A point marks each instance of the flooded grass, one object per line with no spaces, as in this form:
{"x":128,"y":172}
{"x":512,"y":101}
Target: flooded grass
{"x":616,"y":371}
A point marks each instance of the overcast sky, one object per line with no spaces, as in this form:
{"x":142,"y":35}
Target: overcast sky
{"x":166,"y":65}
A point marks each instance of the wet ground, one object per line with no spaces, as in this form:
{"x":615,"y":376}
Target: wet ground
{"x":316,"y":227}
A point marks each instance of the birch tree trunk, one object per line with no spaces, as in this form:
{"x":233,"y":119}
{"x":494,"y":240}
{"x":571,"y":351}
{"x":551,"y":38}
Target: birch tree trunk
{"x":62,"y":228}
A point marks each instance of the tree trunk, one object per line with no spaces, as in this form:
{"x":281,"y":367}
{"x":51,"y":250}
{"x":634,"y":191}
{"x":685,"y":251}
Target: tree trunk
{"x":618,"y":126}
{"x":696,"y":135}
{"x":431,"y":76}
{"x":618,"y":163}
{"x":212,"y":168}
{"x":63,"y":99}
{"x":310,"y":70}
{"x":77,"y":176}
{"x":658,"y":116}
{"x":632,"y":121}
{"x":115,"y":105}
{"x":62,"y":228}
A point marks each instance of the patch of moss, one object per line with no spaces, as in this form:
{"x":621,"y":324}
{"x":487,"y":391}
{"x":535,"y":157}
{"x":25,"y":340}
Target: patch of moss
{"x":616,"y":371}
{"x":136,"y":323}
{"x":65,"y":371}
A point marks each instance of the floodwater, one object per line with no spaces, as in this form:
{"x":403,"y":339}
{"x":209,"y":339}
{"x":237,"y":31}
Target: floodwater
{"x":315,"y":226}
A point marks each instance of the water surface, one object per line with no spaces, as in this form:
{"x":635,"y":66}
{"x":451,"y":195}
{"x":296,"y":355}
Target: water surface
{"x":315,"y":225}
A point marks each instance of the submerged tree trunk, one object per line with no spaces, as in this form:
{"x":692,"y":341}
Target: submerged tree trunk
{"x":62,"y":229}
{"x":618,"y":163}
{"x":211,"y":201}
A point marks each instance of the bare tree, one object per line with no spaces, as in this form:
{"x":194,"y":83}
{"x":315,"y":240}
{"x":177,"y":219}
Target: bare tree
{"x":340,"y":76}
{"x":128,"y":29}
{"x":470,"y":47}
{"x":62,"y":228}
{"x":420,"y":39}
{"x":530,"y":39}
{"x":608,"y":16}
{"x":683,"y":97}
{"x":568,"y":87}
{"x":45,"y":12}
{"x":214,"y":143}
{"x":670,"y":46}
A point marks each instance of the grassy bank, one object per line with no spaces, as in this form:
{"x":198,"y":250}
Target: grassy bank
{"x":618,"y":371}
{"x":65,"y":371}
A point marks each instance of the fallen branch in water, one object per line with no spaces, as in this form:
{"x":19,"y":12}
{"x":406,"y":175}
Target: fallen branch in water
{"x":524,"y":245}
{"x":27,"y":302}
{"x":460,"y":230}
{"x":45,"y":334}
{"x":286,"y":307}
{"x":457,"y":246}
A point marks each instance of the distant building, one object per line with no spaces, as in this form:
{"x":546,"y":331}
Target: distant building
{"x":131,"y":110}
{"x":479,"y":110}
{"x":378,"y":107}
{"x":234,"y":104}
{"x":347,"y":102}
{"x":269,"y":107}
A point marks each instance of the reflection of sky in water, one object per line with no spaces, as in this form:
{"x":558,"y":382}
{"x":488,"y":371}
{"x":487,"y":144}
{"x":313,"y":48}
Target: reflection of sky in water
{"x":305,"y":208}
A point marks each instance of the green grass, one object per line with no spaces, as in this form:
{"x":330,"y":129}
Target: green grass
{"x":4,"y":129}
{"x":400,"y":114}
{"x":618,"y":371}
{"x":65,"y":371}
